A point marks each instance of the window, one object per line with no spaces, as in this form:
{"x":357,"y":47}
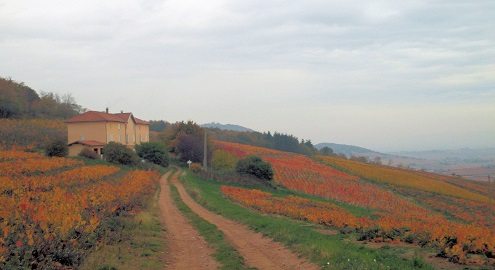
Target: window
{"x":111,"y":137}
{"x":96,"y":150}
{"x":119,"y":126}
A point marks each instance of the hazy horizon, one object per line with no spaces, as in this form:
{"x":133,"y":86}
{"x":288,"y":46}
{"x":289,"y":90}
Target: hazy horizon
{"x":385,"y":75}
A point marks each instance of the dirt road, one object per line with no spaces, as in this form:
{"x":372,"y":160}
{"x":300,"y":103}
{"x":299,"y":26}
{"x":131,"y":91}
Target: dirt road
{"x":186,"y":250}
{"x":257,"y":250}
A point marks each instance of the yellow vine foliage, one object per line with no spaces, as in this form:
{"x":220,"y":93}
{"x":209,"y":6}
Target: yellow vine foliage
{"x":395,"y":216}
{"x":16,"y":168}
{"x":40,"y":207}
{"x":401,"y":177}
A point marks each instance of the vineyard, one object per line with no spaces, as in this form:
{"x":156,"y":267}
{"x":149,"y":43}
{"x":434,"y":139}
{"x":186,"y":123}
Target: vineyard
{"x":401,"y":177}
{"x":54,"y":210}
{"x":416,"y":212}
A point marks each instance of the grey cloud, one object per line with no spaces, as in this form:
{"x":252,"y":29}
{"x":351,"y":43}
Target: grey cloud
{"x":275,"y":57}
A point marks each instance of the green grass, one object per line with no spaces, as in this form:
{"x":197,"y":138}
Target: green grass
{"x":225,"y":254}
{"x":353,"y":209}
{"x":328,"y":251}
{"x":141,"y":244}
{"x":280,"y":191}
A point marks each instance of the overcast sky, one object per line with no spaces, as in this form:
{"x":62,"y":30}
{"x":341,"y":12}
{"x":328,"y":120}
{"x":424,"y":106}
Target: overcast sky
{"x":387,"y":75}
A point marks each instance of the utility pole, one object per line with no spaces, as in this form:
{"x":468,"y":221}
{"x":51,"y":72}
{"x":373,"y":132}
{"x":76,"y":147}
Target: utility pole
{"x":205,"y":155}
{"x":490,"y":195}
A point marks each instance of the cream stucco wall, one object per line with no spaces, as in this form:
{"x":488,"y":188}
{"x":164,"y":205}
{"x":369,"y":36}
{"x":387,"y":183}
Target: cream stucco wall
{"x":86,"y":131}
{"x":143,"y":133}
{"x":131,"y":132}
{"x":115,"y":132}
{"x":75,"y":149}
{"x":128,"y":133}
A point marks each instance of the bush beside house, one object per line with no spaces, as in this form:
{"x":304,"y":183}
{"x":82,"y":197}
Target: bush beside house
{"x":120,"y":154}
{"x":56,"y":148}
{"x":153,"y":152}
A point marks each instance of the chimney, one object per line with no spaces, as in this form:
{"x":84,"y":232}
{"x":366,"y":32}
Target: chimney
{"x":106,"y":110}
{"x":121,"y":111}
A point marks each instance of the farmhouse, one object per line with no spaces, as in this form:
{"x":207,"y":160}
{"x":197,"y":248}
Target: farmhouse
{"x":94,"y":129}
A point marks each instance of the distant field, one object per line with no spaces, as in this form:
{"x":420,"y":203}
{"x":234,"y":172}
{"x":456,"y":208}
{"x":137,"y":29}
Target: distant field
{"x":475,"y":173}
{"x":406,"y":206}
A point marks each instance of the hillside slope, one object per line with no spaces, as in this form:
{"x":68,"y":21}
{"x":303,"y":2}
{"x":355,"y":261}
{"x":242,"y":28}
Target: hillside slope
{"x":432,"y":209}
{"x":18,"y":100}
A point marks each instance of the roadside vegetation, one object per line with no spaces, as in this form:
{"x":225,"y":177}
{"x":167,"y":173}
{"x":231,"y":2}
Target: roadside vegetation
{"x":139,"y":243}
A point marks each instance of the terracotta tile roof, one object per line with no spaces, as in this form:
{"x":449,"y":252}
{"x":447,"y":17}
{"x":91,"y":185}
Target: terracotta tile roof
{"x":93,"y":116}
{"x":123,"y":116}
{"x":141,"y":122}
{"x":88,"y":143}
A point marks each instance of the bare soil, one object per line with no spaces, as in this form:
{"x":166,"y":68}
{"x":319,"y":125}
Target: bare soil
{"x":186,"y":249}
{"x":258,"y":251}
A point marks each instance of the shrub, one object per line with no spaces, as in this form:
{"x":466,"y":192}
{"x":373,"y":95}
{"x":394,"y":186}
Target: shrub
{"x":223,"y":161}
{"x":56,"y":148}
{"x":255,"y":166}
{"x":88,"y":153}
{"x":153,"y":152}
{"x":196,"y":167}
{"x":120,"y":154}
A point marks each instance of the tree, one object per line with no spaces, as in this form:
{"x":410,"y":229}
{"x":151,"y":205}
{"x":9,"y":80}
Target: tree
{"x":377,"y":160}
{"x":120,"y":154}
{"x":20,"y":101}
{"x":158,"y":125}
{"x":279,"y":141}
{"x":223,"y":161}
{"x":360,"y":159}
{"x":56,"y":148}
{"x":153,"y":152}
{"x":255,"y":166}
{"x":189,"y":147}
{"x":186,"y":140}
{"x":326,"y":151}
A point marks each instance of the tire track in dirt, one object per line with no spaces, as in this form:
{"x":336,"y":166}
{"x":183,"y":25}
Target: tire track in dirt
{"x":258,"y":251}
{"x":186,"y":249}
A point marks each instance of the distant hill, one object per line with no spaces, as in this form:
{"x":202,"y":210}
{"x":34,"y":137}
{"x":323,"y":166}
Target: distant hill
{"x":349,"y":150}
{"x":18,"y":100}
{"x":227,"y":127}
{"x":473,"y":164}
